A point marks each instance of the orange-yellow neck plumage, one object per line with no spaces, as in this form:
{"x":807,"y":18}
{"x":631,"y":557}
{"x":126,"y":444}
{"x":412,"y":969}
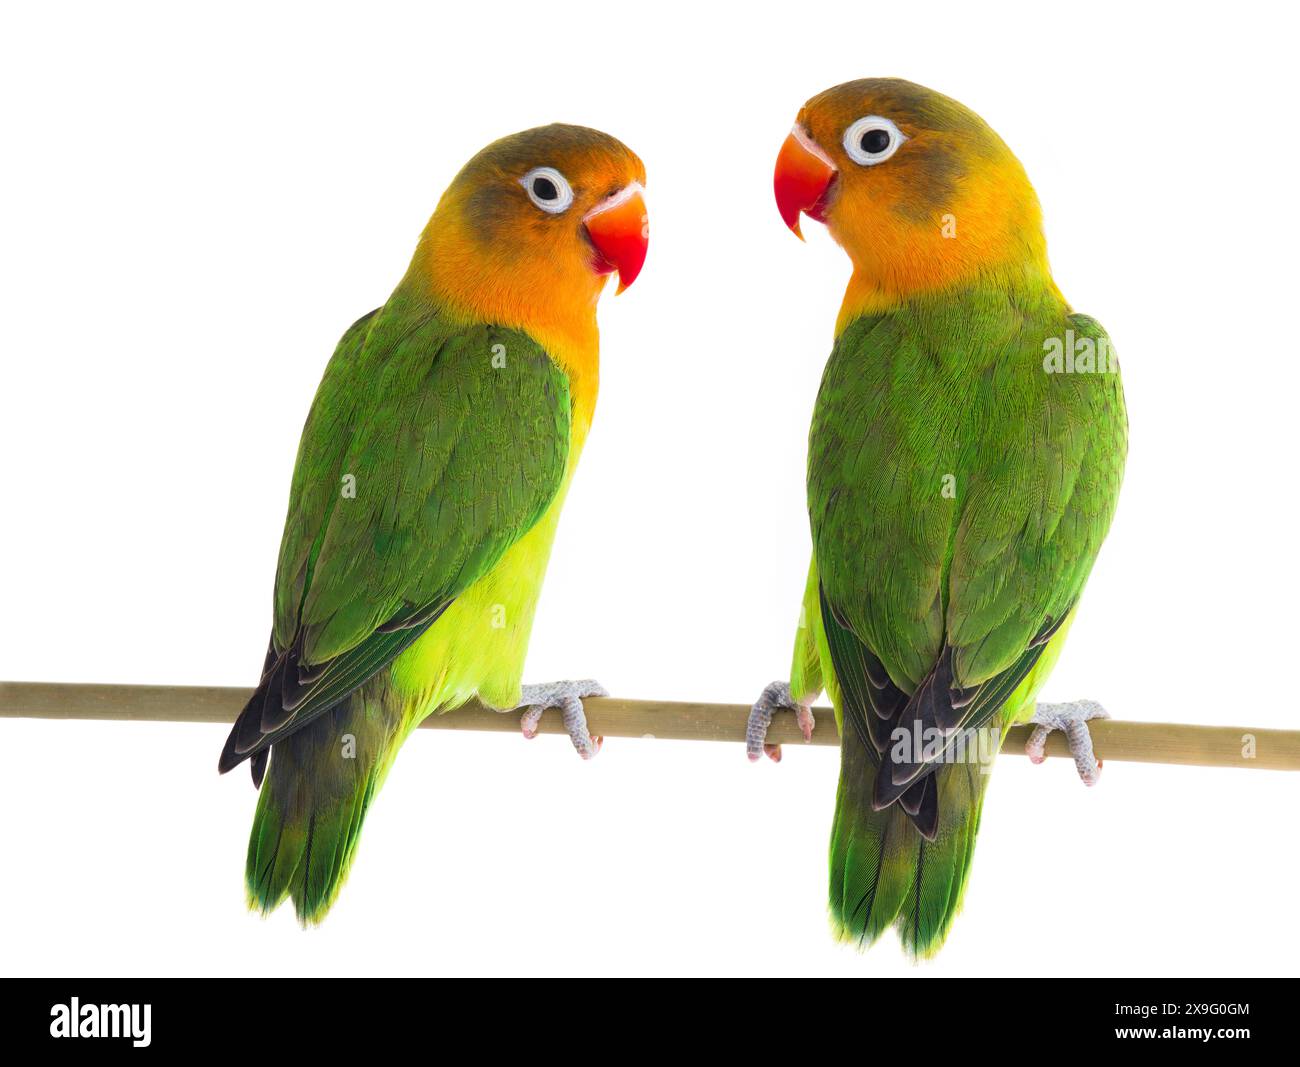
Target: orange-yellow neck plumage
{"x":489,"y":253}
{"x":947,"y":204}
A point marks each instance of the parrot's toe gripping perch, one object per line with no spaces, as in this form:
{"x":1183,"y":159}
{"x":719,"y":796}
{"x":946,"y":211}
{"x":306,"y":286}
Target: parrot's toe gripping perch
{"x":776,"y":697}
{"x":567,"y":697}
{"x":1072,"y":720}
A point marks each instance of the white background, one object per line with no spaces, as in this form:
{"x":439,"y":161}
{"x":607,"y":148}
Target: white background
{"x":194,"y":206}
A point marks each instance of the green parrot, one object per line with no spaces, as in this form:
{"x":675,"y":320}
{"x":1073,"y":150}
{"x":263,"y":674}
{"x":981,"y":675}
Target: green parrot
{"x":964,"y":462}
{"x":432,"y":470}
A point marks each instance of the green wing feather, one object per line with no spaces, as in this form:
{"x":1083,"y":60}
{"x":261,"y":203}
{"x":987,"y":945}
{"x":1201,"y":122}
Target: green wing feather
{"x":410,"y":485}
{"x":958,"y":493}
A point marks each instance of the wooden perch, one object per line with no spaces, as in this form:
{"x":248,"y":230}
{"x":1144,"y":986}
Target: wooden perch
{"x":1135,"y":742}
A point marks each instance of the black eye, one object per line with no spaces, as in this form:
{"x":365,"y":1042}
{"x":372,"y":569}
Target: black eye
{"x":875,"y":141}
{"x":548,"y":189}
{"x":872,"y":140}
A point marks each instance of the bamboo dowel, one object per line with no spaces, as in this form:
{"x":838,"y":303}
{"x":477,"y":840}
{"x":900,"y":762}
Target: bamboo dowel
{"x":1134,"y":742}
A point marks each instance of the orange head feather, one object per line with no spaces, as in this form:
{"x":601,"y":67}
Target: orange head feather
{"x":918,"y":190}
{"x":529,"y":230}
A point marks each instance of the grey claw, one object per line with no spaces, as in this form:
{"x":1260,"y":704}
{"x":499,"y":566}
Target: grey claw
{"x":775,"y":697}
{"x":1072,"y":720}
{"x":567,"y":697}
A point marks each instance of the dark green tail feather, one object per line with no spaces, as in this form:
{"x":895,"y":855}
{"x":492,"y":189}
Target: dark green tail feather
{"x":310,"y":813}
{"x":306,"y":859}
{"x":883,"y":872}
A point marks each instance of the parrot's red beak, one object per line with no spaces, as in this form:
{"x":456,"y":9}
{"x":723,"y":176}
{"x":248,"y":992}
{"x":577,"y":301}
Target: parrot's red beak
{"x":803,"y":178}
{"x":619,"y":230}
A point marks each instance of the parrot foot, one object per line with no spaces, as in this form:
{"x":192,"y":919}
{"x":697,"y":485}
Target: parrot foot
{"x":776,"y":697}
{"x":567,"y":697}
{"x":1072,"y":720}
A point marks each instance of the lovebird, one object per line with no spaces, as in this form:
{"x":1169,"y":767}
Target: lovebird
{"x":964,"y":462}
{"x":429,"y":481}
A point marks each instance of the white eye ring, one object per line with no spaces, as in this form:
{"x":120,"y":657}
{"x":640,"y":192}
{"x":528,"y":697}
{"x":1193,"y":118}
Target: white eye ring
{"x":563,"y":194}
{"x":854,"y":134}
